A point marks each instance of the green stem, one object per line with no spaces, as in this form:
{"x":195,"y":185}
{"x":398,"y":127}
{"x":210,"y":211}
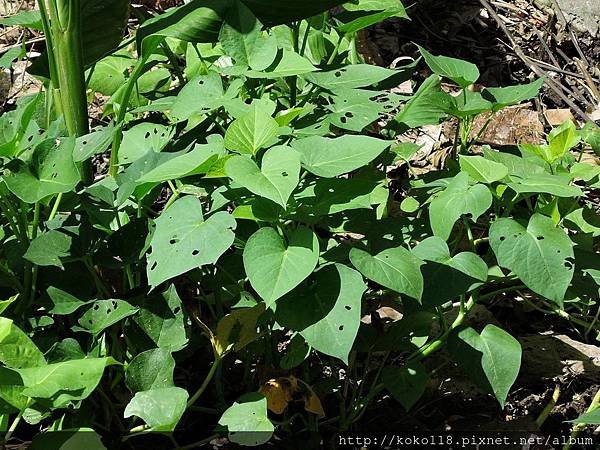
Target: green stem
{"x":55,"y":206}
{"x":577,"y":429}
{"x":114,"y":152}
{"x":205,"y":383}
{"x":335,"y":50}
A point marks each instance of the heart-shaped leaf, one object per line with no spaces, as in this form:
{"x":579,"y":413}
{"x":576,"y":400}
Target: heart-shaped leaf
{"x":104,"y":313}
{"x":251,"y":132}
{"x":50,"y":171}
{"x":247,"y":420}
{"x":183,"y":240}
{"x":461,"y":72}
{"x":395,"y":268}
{"x":457,"y":199}
{"x":447,"y":277}
{"x":17,"y":350}
{"x":483,"y":170}
{"x":541,"y":255}
{"x":276,"y":179}
{"x":160,"y":408}
{"x":151,"y":369}
{"x":406,"y":383}
{"x":327,"y":314}
{"x":492,"y":359}
{"x":330,"y":157}
{"x":275,"y":268}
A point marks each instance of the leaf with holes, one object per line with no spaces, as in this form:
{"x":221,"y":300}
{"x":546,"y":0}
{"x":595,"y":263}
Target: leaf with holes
{"x":161,"y":319}
{"x":152,"y":369}
{"x":93,"y":143}
{"x":457,"y":199}
{"x":461,"y":72}
{"x":275,"y":267}
{"x":277,"y":177}
{"x":200,"y":95}
{"x":141,"y":138}
{"x":251,"y":132}
{"x":328,"y":313}
{"x":160,"y":408}
{"x":247,"y":421}
{"x":351,"y":77}
{"x":104,"y":313}
{"x":394,"y":268}
{"x":330,"y":157}
{"x":354,"y":109}
{"x":183,"y":240}
{"x":492,"y":359}
{"x":50,"y":171}
{"x":541,"y":255}
{"x":407,"y":383}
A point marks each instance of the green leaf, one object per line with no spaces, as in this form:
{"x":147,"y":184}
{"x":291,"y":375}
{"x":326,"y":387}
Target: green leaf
{"x":481,"y":169}
{"x":369,"y":12}
{"x":512,"y":95}
{"x":160,"y":408}
{"x":64,"y":303}
{"x":183,"y":240}
{"x":247,"y":420}
{"x":558,"y":185}
{"x":277,"y":177}
{"x":240,"y":33}
{"x":426,"y":107}
{"x":286,"y":64}
{"x":589,"y":418}
{"x":93,"y":143}
{"x":562,"y":139}
{"x":264,"y":52}
{"x":200,"y":95}
{"x":330,"y":157}
{"x":141,"y":138}
{"x":68,"y":439}
{"x":238,"y":328}
{"x":461,"y":72}
{"x":14,"y":125}
{"x":327,"y":314}
{"x":447,"y":277}
{"x":541,"y":255}
{"x":104,"y":313}
{"x":196,"y":21}
{"x":31,"y":19}
{"x":276,"y":12}
{"x":16,"y":349}
{"x":354,"y":109}
{"x":457,"y":199}
{"x":8,"y":58}
{"x":394,"y":268}
{"x":492,"y":359}
{"x":351,"y":77}
{"x":49,"y":248}
{"x":251,"y":132}
{"x":161,"y":319}
{"x":109,"y":74}
{"x":407,"y":383}
{"x":152,"y":369}
{"x":50,"y":171}
{"x":274,"y":267}
{"x":199,"y":160}
{"x":64,"y":381}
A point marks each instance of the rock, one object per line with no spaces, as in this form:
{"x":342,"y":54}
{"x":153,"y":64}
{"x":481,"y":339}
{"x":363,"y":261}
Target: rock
{"x":582,"y":15}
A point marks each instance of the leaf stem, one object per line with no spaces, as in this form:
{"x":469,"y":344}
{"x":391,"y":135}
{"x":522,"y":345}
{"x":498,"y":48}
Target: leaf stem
{"x":578,"y":428}
{"x":205,"y":383}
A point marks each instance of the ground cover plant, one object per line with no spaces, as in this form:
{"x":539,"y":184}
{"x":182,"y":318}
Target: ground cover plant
{"x":197,"y":265}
